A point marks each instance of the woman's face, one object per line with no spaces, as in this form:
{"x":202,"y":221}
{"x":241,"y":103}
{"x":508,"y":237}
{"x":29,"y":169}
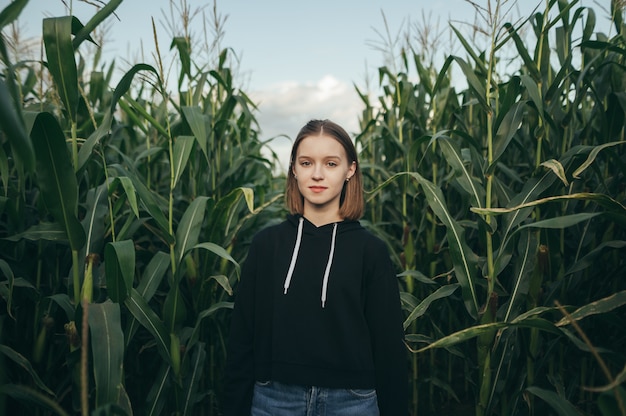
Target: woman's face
{"x":321,"y":168}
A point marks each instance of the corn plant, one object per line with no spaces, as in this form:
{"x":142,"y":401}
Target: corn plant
{"x":509,"y":189}
{"x":124,"y":215}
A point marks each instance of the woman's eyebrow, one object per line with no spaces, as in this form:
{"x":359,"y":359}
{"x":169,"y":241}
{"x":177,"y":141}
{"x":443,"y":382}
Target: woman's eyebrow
{"x":323,"y":157}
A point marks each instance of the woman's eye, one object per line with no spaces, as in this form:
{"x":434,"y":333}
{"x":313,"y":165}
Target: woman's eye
{"x":305,"y":163}
{"x":332,"y":164}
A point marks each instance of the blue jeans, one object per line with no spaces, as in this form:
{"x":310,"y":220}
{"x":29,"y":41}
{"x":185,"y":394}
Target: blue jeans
{"x":277,"y":399}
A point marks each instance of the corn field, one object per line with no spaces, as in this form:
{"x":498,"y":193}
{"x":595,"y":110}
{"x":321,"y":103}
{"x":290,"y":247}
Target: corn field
{"x":126,"y":210}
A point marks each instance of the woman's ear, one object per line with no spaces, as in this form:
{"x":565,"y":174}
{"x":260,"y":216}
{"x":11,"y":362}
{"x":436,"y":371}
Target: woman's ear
{"x":351,"y":170}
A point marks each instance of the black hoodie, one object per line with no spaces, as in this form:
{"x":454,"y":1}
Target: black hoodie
{"x":333,"y":321}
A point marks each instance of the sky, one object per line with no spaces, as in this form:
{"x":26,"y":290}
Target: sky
{"x":297,"y":59}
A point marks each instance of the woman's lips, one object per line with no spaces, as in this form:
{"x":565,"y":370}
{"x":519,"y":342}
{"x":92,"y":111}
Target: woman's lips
{"x":317,"y":189}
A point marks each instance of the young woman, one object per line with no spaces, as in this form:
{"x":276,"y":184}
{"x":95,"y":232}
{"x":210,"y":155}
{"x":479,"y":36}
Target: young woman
{"x":317,"y":324}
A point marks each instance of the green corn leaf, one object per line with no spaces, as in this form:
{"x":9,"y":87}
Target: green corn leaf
{"x":119,"y":263}
{"x":524,"y":264}
{"x":83,"y":33}
{"x":205,"y":314}
{"x":86,"y":150}
{"x":475,"y":331}
{"x":107,"y":347}
{"x":93,"y":222}
{"x":469,"y":183}
{"x":224,"y":78}
{"x":442,"y":292}
{"x":592,"y":157}
{"x":189,"y":227}
{"x":131,"y":194}
{"x":143,"y":313}
{"x":590,"y":24}
{"x":196,"y":365}
{"x":198,"y":95}
{"x":601,"y":199}
{"x":564,"y":221}
{"x":465,"y":261}
{"x":223,"y":282}
{"x":424,"y":75}
{"x":4,"y":173}
{"x":21,"y":361}
{"x":10,"y":13}
{"x":224,"y":115}
{"x":56,"y":175}
{"x":404,"y":96}
{"x":556,"y":167}
{"x":157,"y":396}
{"x":198,"y":123}
{"x":57,"y":37}
{"x":6,"y":270}
{"x":600,"y":46}
{"x":174,"y":311}
{"x":604,"y":305}
{"x":531,"y":191}
{"x":218,"y":250}
{"x":153,"y":275}
{"x":151,"y":279}
{"x":520,"y":44}
{"x":175,"y":351}
{"x":556,"y":402}
{"x":511,"y":122}
{"x":555,"y":88}
{"x":418,"y":276}
{"x":11,"y":122}
{"x":591,"y":257}
{"x":97,"y":87}
{"x":474,"y":83}
{"x":64,"y":301}
{"x":478,"y":61}
{"x":50,"y":231}
{"x":183,"y":46}
{"x":533,"y":92}
{"x":182,"y":149}
{"x":221,"y":216}
{"x":12,"y":125}
{"x":506,"y":99}
{"x":442,"y":75}
{"x":149,"y":202}
{"x":31,"y":396}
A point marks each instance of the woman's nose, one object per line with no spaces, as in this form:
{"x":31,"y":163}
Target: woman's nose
{"x":317,"y":172}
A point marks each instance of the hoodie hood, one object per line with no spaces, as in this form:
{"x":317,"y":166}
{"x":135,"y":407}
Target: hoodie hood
{"x":304,"y":226}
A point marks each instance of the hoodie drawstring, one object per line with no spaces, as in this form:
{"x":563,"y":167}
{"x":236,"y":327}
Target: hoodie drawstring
{"x":330,"y":262}
{"x":294,"y":257}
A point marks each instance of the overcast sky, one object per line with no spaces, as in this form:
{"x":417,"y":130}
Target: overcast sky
{"x":299,"y":59}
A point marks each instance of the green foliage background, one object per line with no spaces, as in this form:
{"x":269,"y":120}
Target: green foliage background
{"x":126,"y":211}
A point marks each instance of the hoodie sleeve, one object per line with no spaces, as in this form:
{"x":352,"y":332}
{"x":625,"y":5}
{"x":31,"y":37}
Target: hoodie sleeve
{"x":239,"y":373}
{"x":384,"y":315}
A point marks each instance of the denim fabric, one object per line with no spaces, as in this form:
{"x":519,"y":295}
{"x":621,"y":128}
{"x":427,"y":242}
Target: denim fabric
{"x":278,"y":399}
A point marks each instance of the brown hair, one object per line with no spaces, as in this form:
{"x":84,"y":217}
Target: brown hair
{"x":351,"y":203}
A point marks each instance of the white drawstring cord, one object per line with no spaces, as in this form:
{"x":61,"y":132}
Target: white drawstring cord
{"x":294,"y":256}
{"x":330,"y":262}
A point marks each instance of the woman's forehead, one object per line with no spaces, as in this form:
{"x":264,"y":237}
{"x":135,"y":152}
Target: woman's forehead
{"x":320,"y":145}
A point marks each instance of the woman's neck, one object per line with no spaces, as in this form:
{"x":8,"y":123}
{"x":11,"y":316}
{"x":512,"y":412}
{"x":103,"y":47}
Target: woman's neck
{"x":322,"y":218}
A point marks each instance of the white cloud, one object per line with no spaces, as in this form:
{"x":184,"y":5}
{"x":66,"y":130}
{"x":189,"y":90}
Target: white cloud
{"x":286,"y":106}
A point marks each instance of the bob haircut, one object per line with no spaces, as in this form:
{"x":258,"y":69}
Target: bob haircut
{"x":351,"y":204}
